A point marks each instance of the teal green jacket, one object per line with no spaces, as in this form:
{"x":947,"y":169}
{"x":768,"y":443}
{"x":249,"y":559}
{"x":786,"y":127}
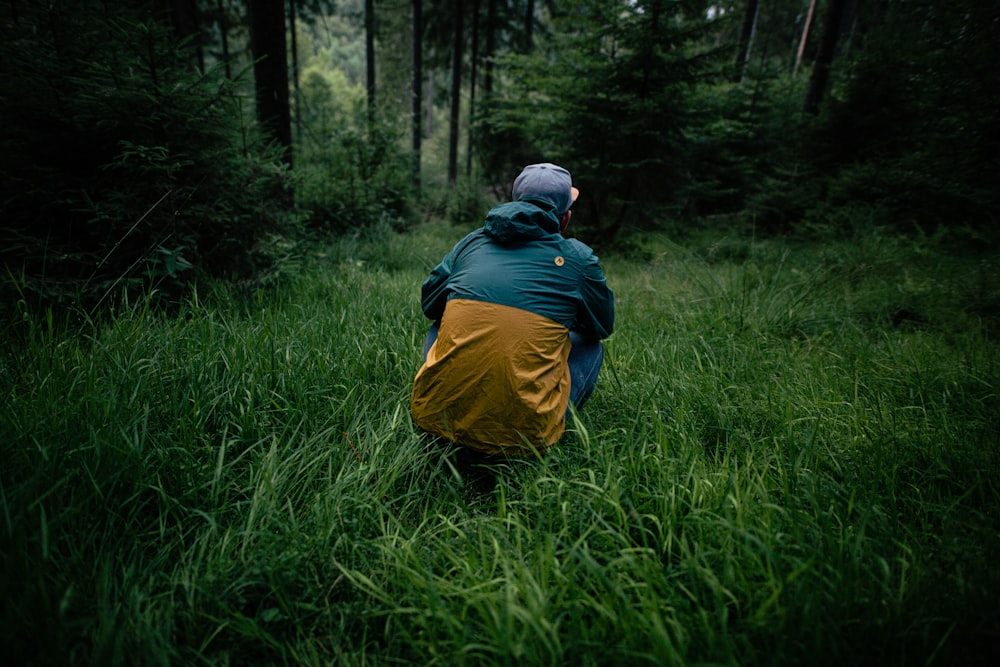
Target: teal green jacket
{"x":497,"y":377}
{"x":518,"y":258}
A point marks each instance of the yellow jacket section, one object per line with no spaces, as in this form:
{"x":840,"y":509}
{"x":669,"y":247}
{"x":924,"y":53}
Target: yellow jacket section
{"x":496,"y":380}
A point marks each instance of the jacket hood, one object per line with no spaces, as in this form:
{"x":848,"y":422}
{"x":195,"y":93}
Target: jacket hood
{"x":520,"y":221}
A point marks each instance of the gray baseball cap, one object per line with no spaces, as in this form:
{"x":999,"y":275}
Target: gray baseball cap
{"x":548,"y":183}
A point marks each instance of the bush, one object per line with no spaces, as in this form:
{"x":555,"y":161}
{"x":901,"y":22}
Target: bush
{"x":910,"y":132}
{"x":351,"y":173}
{"x":122,"y":165}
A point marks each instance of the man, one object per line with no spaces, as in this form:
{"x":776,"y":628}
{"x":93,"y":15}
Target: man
{"x":519,"y":313}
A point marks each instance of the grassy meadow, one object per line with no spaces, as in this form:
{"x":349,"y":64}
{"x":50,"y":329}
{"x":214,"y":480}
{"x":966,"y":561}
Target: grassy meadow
{"x":792,"y":458}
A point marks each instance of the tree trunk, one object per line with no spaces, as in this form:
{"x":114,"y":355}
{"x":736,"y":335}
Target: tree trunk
{"x":292,"y":30}
{"x":270,"y":70}
{"x":529,"y":26}
{"x":370,"y":56}
{"x":805,"y":36}
{"x":418,"y":81}
{"x":747,"y":30}
{"x":224,"y":33}
{"x":474,"y":60}
{"x":820,"y":77}
{"x":429,"y":103}
{"x":456,"y":91}
{"x":491,"y":45}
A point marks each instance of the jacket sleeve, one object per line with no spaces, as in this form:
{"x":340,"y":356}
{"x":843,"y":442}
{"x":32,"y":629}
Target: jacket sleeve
{"x":596,"y":314}
{"x":434,"y":292}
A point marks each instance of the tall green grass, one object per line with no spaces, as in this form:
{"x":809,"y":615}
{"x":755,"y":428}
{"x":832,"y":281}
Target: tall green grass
{"x":792,"y":458}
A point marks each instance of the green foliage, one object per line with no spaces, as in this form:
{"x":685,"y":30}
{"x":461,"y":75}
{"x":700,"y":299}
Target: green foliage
{"x":737,"y":141}
{"x":639,"y":100}
{"x":334,"y":35}
{"x":791,"y":458}
{"x":467,"y":203}
{"x":610,"y":97}
{"x":122,"y":165}
{"x":910,"y":133}
{"x":351,"y":171}
{"x":359,"y":178}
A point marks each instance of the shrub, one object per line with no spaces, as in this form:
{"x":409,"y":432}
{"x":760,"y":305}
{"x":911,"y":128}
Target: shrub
{"x":122,"y":165}
{"x":351,"y":173}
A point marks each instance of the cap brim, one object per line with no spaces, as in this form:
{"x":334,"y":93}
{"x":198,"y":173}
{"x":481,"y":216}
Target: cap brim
{"x":574,"y":193}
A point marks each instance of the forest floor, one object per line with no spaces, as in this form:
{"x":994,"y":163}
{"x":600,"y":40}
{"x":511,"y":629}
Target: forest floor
{"x":793,"y":456}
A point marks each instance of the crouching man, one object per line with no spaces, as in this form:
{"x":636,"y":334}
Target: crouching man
{"x":519,"y":311}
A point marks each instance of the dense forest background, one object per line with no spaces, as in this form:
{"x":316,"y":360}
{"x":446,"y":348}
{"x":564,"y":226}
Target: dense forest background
{"x":216,"y":215}
{"x":147,"y":143}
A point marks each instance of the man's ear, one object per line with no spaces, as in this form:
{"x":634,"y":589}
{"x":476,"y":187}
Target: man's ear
{"x":564,"y":221}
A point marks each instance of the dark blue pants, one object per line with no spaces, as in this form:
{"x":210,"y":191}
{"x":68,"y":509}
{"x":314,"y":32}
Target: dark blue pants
{"x":585,"y":361}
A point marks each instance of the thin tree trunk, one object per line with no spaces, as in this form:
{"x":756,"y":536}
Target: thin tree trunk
{"x":529,"y":26}
{"x":456,"y":91}
{"x":270,"y":69}
{"x":820,"y":77}
{"x":472,"y":87}
{"x":747,"y":31}
{"x":418,"y":81}
{"x":429,"y":102}
{"x":292,"y":29}
{"x":805,"y":37}
{"x":491,"y":45}
{"x":370,"y":56}
{"x":224,"y":33}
